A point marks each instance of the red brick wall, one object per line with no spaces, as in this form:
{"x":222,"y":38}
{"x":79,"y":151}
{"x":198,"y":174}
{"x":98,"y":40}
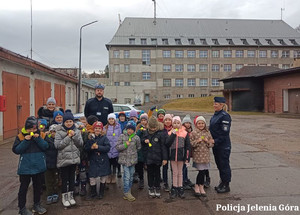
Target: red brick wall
{"x":278,"y":84}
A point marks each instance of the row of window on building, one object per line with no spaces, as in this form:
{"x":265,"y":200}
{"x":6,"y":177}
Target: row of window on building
{"x":191,"y":41}
{"x":201,"y":67}
{"x":146,"y":54}
{"x":180,"y":96}
{"x":179,"y":82}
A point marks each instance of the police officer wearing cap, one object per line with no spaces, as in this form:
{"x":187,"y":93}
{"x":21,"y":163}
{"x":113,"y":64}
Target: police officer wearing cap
{"x":220,"y":128}
{"x":99,"y":106}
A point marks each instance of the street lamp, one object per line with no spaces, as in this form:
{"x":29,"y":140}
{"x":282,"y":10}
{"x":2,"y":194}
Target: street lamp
{"x":79,"y":72}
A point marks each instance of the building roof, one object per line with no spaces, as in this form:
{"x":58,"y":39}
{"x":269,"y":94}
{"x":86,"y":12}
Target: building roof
{"x":205,"y":32}
{"x":251,"y":72}
{"x":282,"y":72}
{"x":90,"y":82}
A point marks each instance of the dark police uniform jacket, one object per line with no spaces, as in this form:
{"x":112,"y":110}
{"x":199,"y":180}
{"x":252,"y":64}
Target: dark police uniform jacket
{"x":101,"y":109}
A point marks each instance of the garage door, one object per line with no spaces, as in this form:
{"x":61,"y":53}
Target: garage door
{"x":294,"y":101}
{"x":42,"y":91}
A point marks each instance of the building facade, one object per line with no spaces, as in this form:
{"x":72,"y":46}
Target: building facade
{"x":181,"y":58}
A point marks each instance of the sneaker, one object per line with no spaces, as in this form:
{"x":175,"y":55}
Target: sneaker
{"x":157,"y":192}
{"x":37,"y":208}
{"x":173,"y":192}
{"x":65,"y":200}
{"x":25,"y":211}
{"x":71,"y":198}
{"x":166,"y":188}
{"x":129,"y":197}
{"x":49,"y":200}
{"x":151,"y":192}
{"x":181,"y":192}
{"x":186,"y":186}
{"x":55,"y":198}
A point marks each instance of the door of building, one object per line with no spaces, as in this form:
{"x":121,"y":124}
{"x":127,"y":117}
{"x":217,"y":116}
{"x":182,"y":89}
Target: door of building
{"x":59,"y":95}
{"x":271,"y":102}
{"x":147,"y":98}
{"x":294,"y":101}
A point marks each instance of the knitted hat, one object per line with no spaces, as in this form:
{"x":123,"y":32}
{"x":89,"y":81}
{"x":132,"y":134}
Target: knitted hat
{"x":43,"y":122}
{"x":68,"y":116}
{"x":168,"y":116}
{"x":219,"y":99}
{"x":161,"y":111}
{"x":112,"y":115}
{"x":198,"y":118}
{"x":53,"y":127}
{"x":133,"y":113}
{"x":176,"y":118}
{"x":51,"y":100}
{"x":122,"y":113}
{"x":31,"y":122}
{"x":187,"y":118}
{"x":144,"y":116}
{"x":91,"y":119}
{"x":153,"y":123}
{"x":97,"y":124}
{"x":99,"y":86}
{"x":131,"y":125}
{"x":56,"y":113}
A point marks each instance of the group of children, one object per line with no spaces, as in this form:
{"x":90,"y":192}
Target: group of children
{"x":87,"y":151}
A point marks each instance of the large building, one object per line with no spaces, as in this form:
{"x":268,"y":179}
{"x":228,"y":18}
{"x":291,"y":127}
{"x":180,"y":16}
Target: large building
{"x":154,"y":60}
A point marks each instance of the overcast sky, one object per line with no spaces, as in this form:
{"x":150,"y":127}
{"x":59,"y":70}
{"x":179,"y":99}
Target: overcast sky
{"x":56,"y":23}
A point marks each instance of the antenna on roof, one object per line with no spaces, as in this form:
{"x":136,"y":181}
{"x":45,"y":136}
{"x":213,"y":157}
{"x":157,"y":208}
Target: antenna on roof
{"x":120,"y":22}
{"x":31,"y":30}
{"x":282,"y":9}
{"x":154,"y":12}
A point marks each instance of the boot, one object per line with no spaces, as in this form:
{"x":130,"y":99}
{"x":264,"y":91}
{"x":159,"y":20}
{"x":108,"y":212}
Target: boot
{"x":65,"y":200}
{"x":197,"y":190}
{"x":37,"y":208}
{"x":224,"y":188}
{"x":141,"y":184}
{"x":220,"y":185}
{"x":173,"y":192}
{"x":108,"y":179}
{"x":101,"y":191}
{"x":166,"y":187}
{"x":129,"y":197}
{"x":82,"y":190}
{"x":93,"y":192}
{"x":25,"y":211}
{"x":181,"y":192}
{"x":157,"y":192}
{"x":113,"y":179}
{"x":151,"y":192}
{"x":71,"y":198}
{"x":207,"y":182}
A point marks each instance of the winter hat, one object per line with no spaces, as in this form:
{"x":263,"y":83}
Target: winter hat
{"x":198,"y":118}
{"x":161,"y":111}
{"x":168,"y":116}
{"x":187,"y":118}
{"x":144,"y":116}
{"x":91,"y":119}
{"x":68,"y":116}
{"x":122,"y":113}
{"x":219,"y":99}
{"x":97,"y":124}
{"x":51,"y":100}
{"x":99,"y":86}
{"x":133,"y":113}
{"x":52,"y":127}
{"x":131,"y":125}
{"x":111,"y":115}
{"x":176,"y":118}
{"x":153,"y":123}
{"x":31,"y":122}
{"x":43,"y":122}
{"x":56,"y":113}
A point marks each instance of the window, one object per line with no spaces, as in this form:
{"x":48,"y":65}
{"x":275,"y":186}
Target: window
{"x":230,"y":42}
{"x":178,"y":41}
{"x":117,"y":83}
{"x":167,"y":82}
{"x":179,"y":68}
{"x":179,"y":96}
{"x":244,"y":41}
{"x":203,"y":82}
{"x":296,"y":54}
{"x":117,"y":68}
{"x":154,"y":41}
{"x":191,"y":54}
{"x":144,"y":41}
{"x":257,"y":42}
{"x":215,"y":54}
{"x":215,"y":82}
{"x":203,"y":67}
{"x":165,"y":42}
{"x":125,"y":108}
{"x":239,"y":53}
{"x":191,"y":68}
{"x":191,"y":82}
{"x":131,"y":41}
{"x":168,"y":96}
{"x":179,"y":82}
{"x":274,"y":54}
{"x":116,"y":54}
{"x":167,"y":54}
{"x":126,"y":53}
{"x":281,"y":42}
{"x":285,"y":66}
{"x":238,"y":67}
{"x":191,"y":95}
{"x":146,"y":75}
{"x":146,"y":57}
{"x":191,"y":41}
{"x":203,"y":54}
{"x":215,"y":41}
{"x":227,"y":53}
{"x":263,"y":54}
{"x":275,"y":65}
{"x":203,"y":42}
{"x":293,"y":42}
{"x":215,"y":68}
{"x":251,"y":53}
{"x":126,"y":83}
{"x":203,"y":95}
{"x":126,"y":68}
{"x":269,"y":41}
{"x":179,"y":54}
{"x":285,"y":54}
{"x":167,"y":68}
{"x":227,"y":67}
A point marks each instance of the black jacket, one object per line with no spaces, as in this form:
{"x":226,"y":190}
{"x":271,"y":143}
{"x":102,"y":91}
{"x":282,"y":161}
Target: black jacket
{"x":157,"y":152}
{"x":51,"y":153}
{"x":101,"y":109}
{"x":44,"y":113}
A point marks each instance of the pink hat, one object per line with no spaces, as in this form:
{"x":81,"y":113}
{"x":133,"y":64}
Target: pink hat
{"x":168,"y":116}
{"x":176,"y":118}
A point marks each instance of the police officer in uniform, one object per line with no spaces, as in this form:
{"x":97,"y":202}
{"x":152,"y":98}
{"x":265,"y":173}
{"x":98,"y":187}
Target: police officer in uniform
{"x":220,"y":128}
{"x":99,"y":106}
